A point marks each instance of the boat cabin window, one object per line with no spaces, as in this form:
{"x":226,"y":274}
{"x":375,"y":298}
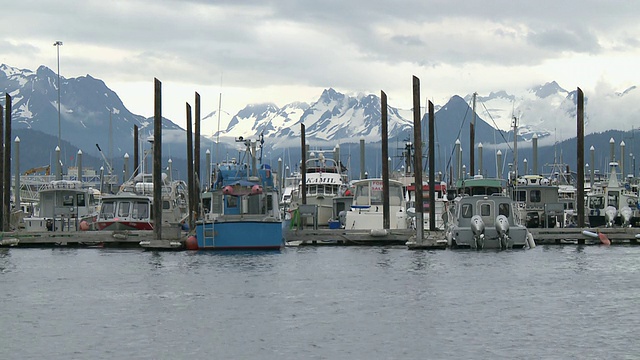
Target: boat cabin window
{"x":232,"y":201}
{"x":467,"y":210}
{"x":67,"y":200}
{"x":166,"y":205}
{"x":519,"y":195}
{"x":107,"y":210}
{"x":124,"y":209}
{"x":80,"y":200}
{"x":596,"y":202}
{"x":312,"y":189}
{"x":140,"y":210}
{"x":485,"y":210}
{"x":612,"y":197}
{"x":535,"y":196}
{"x":503,"y":209}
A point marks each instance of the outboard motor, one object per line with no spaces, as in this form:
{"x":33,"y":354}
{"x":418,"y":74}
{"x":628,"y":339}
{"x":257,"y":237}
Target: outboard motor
{"x":626,"y":214}
{"x":610,"y":213}
{"x":477,"y":227}
{"x":502,"y":228}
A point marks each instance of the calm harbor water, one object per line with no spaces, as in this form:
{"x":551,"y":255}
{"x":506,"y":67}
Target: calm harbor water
{"x":552,"y":302}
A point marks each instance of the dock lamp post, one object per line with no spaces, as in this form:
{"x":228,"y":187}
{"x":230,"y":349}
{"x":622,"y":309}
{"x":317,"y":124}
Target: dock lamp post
{"x":57,"y":44}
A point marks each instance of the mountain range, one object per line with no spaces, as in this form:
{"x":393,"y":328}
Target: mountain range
{"x":91,"y":113}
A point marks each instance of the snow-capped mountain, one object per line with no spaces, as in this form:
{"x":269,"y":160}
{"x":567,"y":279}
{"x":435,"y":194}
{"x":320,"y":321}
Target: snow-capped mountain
{"x":89,"y":110}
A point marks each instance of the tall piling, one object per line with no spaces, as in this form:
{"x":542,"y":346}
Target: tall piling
{"x":157,"y":159}
{"x":2,"y":213}
{"x":79,"y":162}
{"x":362,"y":162}
{"x":580,"y":149}
{"x":592,"y":150}
{"x":196,"y":159}
{"x":303,"y":164}
{"x":16,"y":190}
{"x":7,"y":163}
{"x":386,"y":219}
{"x":622,"y":146}
{"x":432,"y":168}
{"x":612,"y":151}
{"x":125,"y":176}
{"x":190,"y":177}
{"x":480,"y":148}
{"x":136,"y":151}
{"x":499,"y":164}
{"x":534,"y":143}
{"x":417,"y":166}
{"x":207,"y":159}
{"x":458,"y":154}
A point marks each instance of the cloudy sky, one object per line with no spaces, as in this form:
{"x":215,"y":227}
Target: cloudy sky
{"x":283,"y":51}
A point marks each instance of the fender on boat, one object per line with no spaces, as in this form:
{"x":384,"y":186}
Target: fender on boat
{"x":530,"y":241}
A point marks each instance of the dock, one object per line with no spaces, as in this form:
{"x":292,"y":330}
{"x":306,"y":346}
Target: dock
{"x":97,"y":238}
{"x":558,"y":236}
{"x":353,"y":237}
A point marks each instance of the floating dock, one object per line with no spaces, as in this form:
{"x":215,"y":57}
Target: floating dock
{"x":97,"y":238}
{"x":559,"y":236}
{"x":352,"y":237}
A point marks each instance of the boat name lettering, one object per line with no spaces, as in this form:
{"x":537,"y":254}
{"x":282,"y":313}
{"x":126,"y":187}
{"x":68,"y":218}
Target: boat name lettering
{"x":321,"y":180}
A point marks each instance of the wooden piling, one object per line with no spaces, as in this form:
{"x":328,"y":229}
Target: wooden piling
{"x":386,"y":219}
{"x":2,"y":213}
{"x":7,"y":164}
{"x":580,"y":141}
{"x":417,"y":159}
{"x":432,"y":166}
{"x":157,"y":160}
{"x":190,"y":177}
{"x":303,"y":165}
{"x":196,"y":159}
{"x":136,"y":156}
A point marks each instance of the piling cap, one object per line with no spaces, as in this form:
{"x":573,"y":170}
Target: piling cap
{"x":17,"y":139}
{"x":611,"y":141}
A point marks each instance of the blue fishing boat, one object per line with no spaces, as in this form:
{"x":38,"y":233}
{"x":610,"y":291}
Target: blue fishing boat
{"x":241,"y":208}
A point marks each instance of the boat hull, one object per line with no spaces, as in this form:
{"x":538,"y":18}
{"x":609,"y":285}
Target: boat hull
{"x":240,"y":235}
{"x":123,"y":225}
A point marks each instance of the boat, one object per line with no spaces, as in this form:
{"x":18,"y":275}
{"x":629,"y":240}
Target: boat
{"x":241,"y":209}
{"x":64,"y":205}
{"x":612,"y":204}
{"x":366,"y":207}
{"x":486,"y":222}
{"x":131,"y":207}
{"x":325,"y":180}
{"x":483,"y":216}
{"x":537,"y":200}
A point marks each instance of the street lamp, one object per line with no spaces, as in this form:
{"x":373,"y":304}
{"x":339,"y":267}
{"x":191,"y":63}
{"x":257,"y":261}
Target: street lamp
{"x":57,"y":44}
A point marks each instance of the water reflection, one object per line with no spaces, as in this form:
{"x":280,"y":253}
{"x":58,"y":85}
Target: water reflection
{"x":5,"y":261}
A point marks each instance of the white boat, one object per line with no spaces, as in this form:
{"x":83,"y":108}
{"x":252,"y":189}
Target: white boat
{"x":64,"y":205}
{"x":366,"y":208}
{"x":130,"y":208}
{"x":612,"y":204}
{"x":325,"y":180}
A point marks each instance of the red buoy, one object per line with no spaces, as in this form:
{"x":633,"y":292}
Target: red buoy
{"x":84,"y":226}
{"x":192,"y":243}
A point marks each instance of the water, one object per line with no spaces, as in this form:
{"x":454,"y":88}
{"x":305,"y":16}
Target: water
{"x":552,"y":302}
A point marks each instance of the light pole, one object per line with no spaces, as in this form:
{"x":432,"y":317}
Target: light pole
{"x":57,"y":44}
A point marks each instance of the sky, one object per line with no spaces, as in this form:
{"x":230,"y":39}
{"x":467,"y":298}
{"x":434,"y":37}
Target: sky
{"x":283,"y":51}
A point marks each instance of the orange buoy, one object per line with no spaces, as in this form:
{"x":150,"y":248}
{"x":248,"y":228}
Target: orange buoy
{"x":604,"y":239}
{"x":84,"y":226}
{"x":192,"y":243}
